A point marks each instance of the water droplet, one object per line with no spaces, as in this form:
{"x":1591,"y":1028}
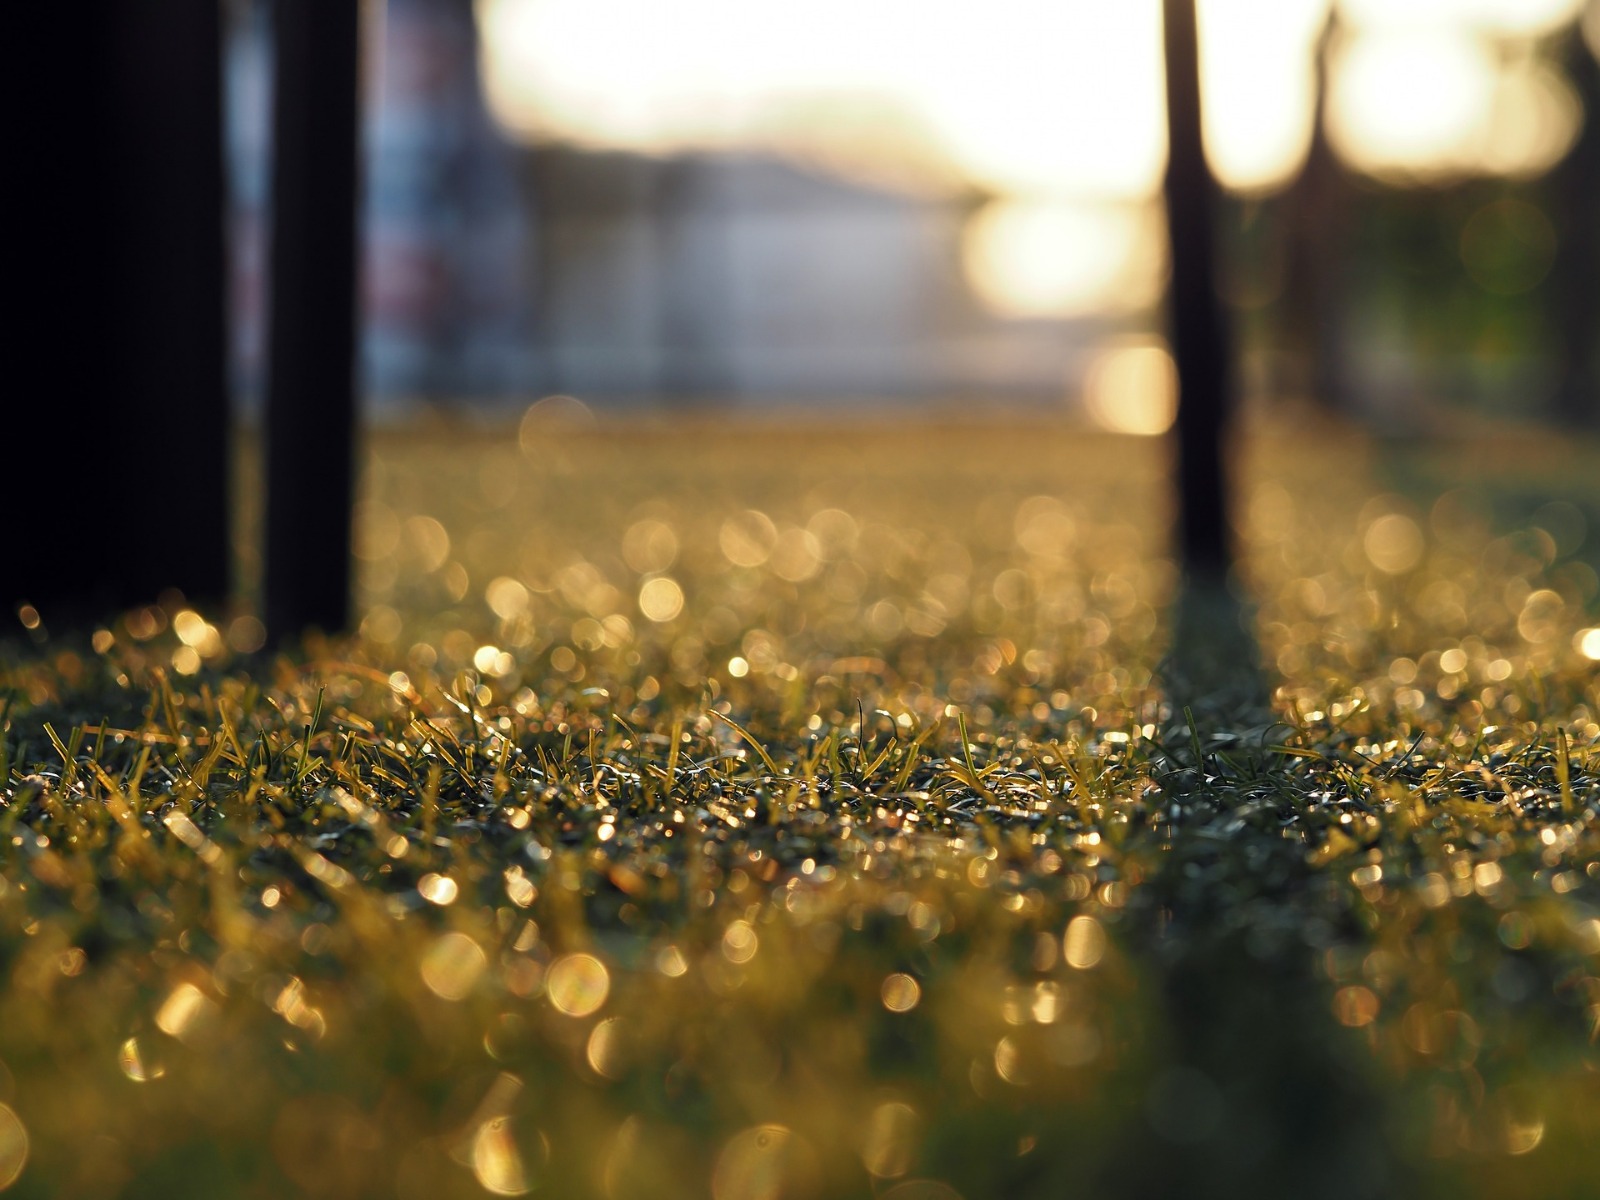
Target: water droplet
{"x":1008,"y":1062}
{"x":134,"y":1063}
{"x":437,"y":889}
{"x":900,"y":993}
{"x":739,"y":942}
{"x":606,"y":1051}
{"x":768,"y":1162}
{"x":185,"y":1007}
{"x":671,"y":963}
{"x":578,"y":984}
{"x":495,"y":1160}
{"x":453,"y":965}
{"x":1084,"y":943}
{"x":13,"y":1146}
{"x":890,"y":1142}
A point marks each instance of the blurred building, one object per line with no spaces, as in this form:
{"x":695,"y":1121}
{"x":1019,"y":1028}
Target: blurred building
{"x":498,"y":272}
{"x":1393,"y":277}
{"x":747,"y":276}
{"x":445,"y":293}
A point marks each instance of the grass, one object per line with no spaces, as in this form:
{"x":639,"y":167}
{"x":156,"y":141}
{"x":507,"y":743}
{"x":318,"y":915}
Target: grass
{"x":757,"y":813}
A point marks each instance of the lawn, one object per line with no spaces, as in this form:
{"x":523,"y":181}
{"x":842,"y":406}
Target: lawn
{"x":757,"y":811}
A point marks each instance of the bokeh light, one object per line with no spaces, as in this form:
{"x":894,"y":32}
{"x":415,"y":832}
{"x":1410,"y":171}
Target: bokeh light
{"x":889,"y":1143}
{"x":1031,"y":258}
{"x":900,"y":993}
{"x":768,"y":1162}
{"x":578,"y":984}
{"x":13,"y":1146}
{"x":1132,"y":387}
{"x":453,"y":965}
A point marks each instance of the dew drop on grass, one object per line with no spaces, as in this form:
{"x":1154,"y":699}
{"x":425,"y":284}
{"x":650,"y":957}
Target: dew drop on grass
{"x":622,"y":1158}
{"x":131,"y":1058}
{"x":438,"y":889}
{"x":13,"y":1146}
{"x":739,"y":943}
{"x":1047,"y":1002}
{"x":661,"y":599}
{"x":1393,"y":544}
{"x":184,"y":1009}
{"x":889,"y":1145}
{"x":520,"y":890}
{"x":900,"y":992}
{"x":671,"y":963}
{"x":1008,"y":1062}
{"x":767,"y":1162}
{"x":1522,"y":1124}
{"x":746,"y":540}
{"x":496,"y":1161}
{"x":507,"y":598}
{"x":452,"y":966}
{"x":1355,"y":1006}
{"x":578,"y":984}
{"x":1084,"y":943}
{"x":606,"y":1052}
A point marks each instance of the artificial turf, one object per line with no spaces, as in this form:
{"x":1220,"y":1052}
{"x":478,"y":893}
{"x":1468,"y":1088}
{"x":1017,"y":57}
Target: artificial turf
{"x":758,"y":811}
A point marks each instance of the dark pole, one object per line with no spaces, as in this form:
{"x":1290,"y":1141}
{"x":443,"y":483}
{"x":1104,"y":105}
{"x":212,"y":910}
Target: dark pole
{"x":116,"y":478}
{"x":311,"y":387}
{"x":1198,"y":325}
{"x":1573,"y":283}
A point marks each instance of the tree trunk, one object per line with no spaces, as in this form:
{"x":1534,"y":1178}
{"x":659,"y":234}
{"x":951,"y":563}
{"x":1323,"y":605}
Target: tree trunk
{"x":1575,"y":186}
{"x":1199,"y":332}
{"x":1315,"y":220}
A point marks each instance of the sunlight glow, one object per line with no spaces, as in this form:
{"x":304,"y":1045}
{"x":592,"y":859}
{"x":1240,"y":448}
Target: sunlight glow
{"x":1537,"y":116}
{"x":1059,"y":97}
{"x":1053,"y":107}
{"x":1018,"y":98}
{"x":1257,"y":63}
{"x":1132,"y":387}
{"x":1030,"y":98}
{"x":1411,"y":102}
{"x":1437,"y":102}
{"x":1513,"y":18}
{"x":1036,"y":259}
{"x":1588,"y":643}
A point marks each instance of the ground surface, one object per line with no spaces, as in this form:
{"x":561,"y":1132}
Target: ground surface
{"x":757,"y":812}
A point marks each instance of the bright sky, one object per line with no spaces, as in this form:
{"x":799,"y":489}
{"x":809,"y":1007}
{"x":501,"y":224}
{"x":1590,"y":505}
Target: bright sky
{"x":1055,"y":106}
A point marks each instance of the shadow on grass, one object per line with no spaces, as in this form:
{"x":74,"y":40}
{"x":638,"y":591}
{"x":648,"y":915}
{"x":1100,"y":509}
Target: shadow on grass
{"x":1262,"y":1092}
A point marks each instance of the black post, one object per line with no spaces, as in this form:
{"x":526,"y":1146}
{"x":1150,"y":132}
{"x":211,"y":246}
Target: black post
{"x":116,"y":413}
{"x":1200,"y":343}
{"x":1573,"y":284}
{"x":311,"y":386}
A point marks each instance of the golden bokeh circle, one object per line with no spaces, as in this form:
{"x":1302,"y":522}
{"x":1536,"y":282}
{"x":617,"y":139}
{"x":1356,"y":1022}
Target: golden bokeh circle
{"x":13,"y":1146}
{"x":578,"y":984}
{"x":765,"y":1162}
